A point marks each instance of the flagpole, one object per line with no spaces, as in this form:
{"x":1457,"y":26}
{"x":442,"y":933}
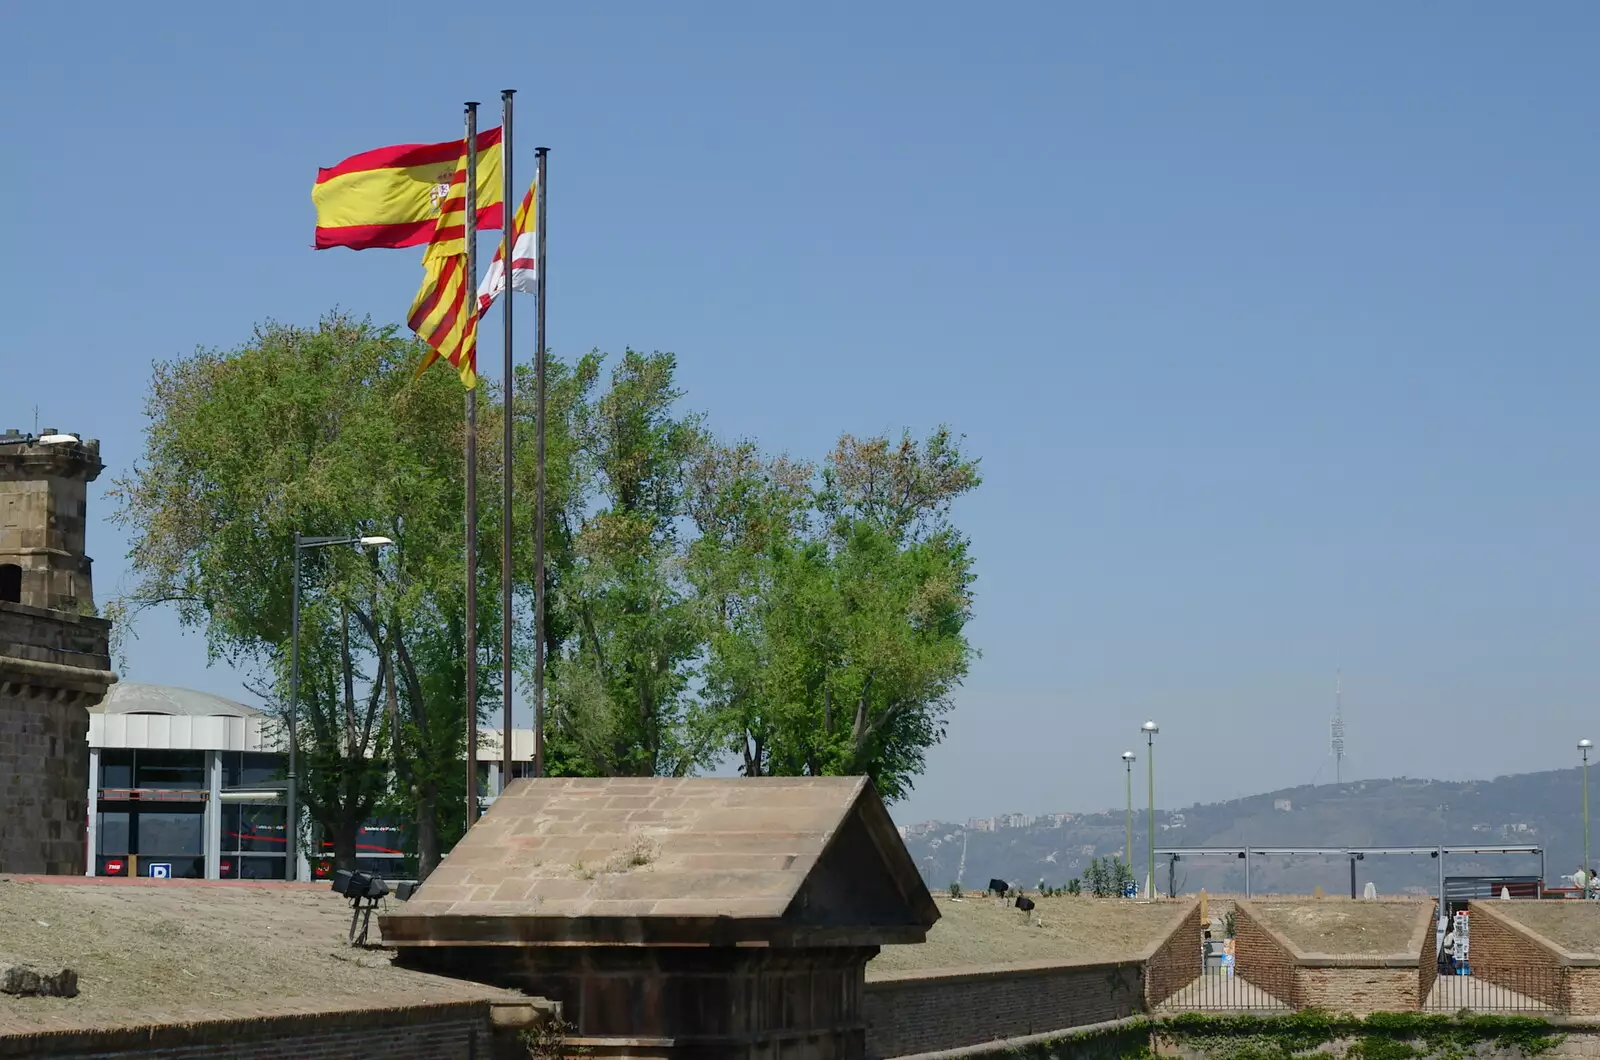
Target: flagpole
{"x":506,"y":301}
{"x":538,"y":411}
{"x":469,"y":305}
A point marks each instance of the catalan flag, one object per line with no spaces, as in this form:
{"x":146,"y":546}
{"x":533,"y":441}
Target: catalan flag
{"x":524,"y":251}
{"x":440,"y":314}
{"x":391,"y":196}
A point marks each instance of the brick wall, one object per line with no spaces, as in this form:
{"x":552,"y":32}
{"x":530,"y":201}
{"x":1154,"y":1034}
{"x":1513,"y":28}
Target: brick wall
{"x":452,"y":1031}
{"x":1506,"y":955}
{"x":928,"y":1013}
{"x":1261,"y":960}
{"x":1428,"y":958}
{"x":1357,"y":989}
{"x":1177,"y":961}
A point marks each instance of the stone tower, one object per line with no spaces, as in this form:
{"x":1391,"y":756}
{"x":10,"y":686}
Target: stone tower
{"x":53,"y":654}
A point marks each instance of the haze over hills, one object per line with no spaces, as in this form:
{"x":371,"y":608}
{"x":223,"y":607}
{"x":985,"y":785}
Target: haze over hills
{"x":1542,"y":809}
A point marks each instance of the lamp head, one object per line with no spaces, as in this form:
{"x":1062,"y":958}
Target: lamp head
{"x":58,"y":439}
{"x":1129,"y":756}
{"x":1150,"y":728}
{"x":376,"y":542}
{"x":1584,"y":745}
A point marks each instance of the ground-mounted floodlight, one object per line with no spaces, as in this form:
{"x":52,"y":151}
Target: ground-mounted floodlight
{"x":364,"y":890}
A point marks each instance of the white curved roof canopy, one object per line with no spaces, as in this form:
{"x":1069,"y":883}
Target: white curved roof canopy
{"x":129,"y":698}
{"x":178,"y":719}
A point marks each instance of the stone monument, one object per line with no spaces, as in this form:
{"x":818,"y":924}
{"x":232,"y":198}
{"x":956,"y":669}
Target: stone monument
{"x":712,"y":919}
{"x":54,"y":660}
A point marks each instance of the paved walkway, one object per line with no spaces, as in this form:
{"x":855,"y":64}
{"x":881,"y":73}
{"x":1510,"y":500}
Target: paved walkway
{"x":1451,"y":993}
{"x":1217,"y":991}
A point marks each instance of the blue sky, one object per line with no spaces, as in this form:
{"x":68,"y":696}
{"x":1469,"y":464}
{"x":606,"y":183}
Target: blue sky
{"x":1273,"y":324}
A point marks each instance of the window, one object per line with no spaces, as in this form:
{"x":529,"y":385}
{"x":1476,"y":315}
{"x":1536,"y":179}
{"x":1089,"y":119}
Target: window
{"x":259,"y":867}
{"x":111,"y":836}
{"x":170,"y":769}
{"x":11,"y":583}
{"x":169,"y":833}
{"x":116,"y":769}
{"x":248,"y":827}
{"x":244,"y":769}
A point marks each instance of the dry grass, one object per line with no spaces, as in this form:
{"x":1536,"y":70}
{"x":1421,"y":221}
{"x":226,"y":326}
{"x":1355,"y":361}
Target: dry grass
{"x":1340,"y":925}
{"x":980,"y":932}
{"x":184,"y":952}
{"x":1572,"y":925}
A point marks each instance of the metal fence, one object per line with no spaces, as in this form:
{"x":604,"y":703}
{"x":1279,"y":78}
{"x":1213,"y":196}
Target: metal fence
{"x":1220,"y":989}
{"x":1530,"y":989}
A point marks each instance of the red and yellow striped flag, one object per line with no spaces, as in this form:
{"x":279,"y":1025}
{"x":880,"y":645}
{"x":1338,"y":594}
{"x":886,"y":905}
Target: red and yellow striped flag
{"x":390,"y":196}
{"x":442,"y":314}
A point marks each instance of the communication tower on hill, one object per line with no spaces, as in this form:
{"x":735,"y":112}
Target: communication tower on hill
{"x":1338,"y":727}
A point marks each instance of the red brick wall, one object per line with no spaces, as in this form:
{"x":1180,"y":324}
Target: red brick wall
{"x":1358,"y":990}
{"x":1428,"y":960}
{"x":1502,"y":955}
{"x":426,"y":1032}
{"x":931,"y":1013}
{"x":1261,"y":960}
{"x":1177,"y":962}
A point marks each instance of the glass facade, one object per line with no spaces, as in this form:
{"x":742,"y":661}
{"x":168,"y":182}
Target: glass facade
{"x":244,"y":769}
{"x":150,"y":818}
{"x":133,"y":839}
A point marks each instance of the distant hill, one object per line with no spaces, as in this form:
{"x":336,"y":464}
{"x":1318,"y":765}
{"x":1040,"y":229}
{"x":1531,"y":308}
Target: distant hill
{"x":1543,"y":809}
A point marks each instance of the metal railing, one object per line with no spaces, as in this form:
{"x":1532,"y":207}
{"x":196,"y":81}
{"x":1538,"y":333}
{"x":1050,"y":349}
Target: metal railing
{"x":1530,"y":989}
{"x":1220,"y":989}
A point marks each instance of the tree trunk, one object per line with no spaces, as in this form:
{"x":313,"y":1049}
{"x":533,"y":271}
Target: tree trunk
{"x":427,"y":833}
{"x":344,"y":843}
{"x":350,"y":747}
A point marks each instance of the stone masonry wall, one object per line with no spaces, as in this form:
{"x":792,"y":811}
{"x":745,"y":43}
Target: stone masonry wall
{"x":1510,"y":958}
{"x":53,"y":667}
{"x":44,"y":781}
{"x":927,"y":1013}
{"x":426,"y":1032}
{"x":1261,"y":960}
{"x":1177,"y":961}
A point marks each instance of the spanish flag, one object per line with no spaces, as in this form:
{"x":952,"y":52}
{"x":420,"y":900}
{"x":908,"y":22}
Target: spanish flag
{"x":441,"y":314}
{"x":391,"y":196}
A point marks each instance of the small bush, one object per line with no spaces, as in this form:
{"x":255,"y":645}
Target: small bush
{"x":955,"y":890}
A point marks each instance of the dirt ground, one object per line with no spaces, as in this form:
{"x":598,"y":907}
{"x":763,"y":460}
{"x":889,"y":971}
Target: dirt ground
{"x":172,"y":951}
{"x":977,"y":931}
{"x":1340,"y":925}
{"x":1572,"y":925}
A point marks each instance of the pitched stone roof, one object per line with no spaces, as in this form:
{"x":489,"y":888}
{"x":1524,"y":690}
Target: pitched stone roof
{"x":792,"y":859}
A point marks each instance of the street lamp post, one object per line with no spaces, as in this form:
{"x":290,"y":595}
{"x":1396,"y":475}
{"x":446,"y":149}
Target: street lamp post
{"x":301,"y":542}
{"x":1583,"y":746}
{"x":1128,"y":758}
{"x":1150,"y":729}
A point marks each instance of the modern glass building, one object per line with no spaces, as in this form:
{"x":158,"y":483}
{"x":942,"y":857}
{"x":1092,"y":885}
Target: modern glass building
{"x":184,"y":784}
{"x":189,"y":785}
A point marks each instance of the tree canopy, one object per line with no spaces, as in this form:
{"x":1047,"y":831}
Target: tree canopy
{"x":706,"y":599}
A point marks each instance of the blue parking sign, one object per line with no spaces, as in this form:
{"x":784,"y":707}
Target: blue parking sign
{"x":161,"y":872}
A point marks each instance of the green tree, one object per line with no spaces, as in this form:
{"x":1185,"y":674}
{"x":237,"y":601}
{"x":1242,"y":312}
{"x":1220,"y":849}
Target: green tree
{"x":620,"y":686}
{"x":320,"y":431}
{"x":836,"y":604}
